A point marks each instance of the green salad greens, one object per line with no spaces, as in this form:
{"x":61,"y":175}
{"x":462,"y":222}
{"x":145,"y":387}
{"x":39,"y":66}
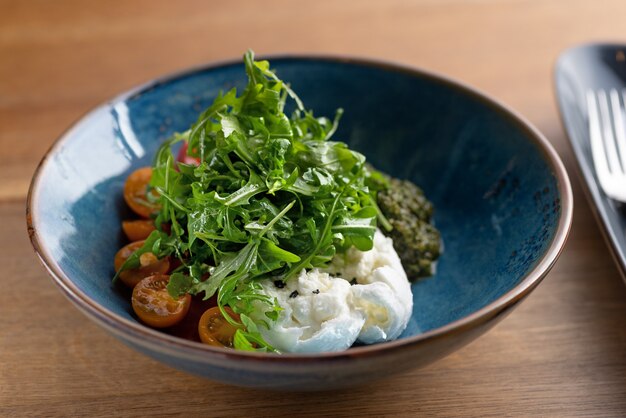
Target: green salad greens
{"x":270,"y":195}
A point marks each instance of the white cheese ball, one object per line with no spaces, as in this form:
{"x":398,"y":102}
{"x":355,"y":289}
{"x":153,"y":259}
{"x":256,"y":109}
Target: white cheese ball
{"x":317,"y":315}
{"x":326,"y":313}
{"x":382,"y":293}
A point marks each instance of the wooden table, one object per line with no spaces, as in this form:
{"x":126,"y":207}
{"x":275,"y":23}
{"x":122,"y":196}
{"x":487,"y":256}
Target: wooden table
{"x":562,"y":353}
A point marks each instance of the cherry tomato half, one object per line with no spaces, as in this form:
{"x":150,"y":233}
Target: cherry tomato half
{"x":186,"y":159}
{"x":215,"y":330}
{"x":136,"y":192}
{"x":154,"y":305}
{"x":149,"y":264}
{"x":138,"y":230}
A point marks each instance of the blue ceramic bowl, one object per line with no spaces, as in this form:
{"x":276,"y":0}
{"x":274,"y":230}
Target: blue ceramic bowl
{"x":502,"y":197}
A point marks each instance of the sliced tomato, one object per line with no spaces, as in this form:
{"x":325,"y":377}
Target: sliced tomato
{"x":188,"y":328}
{"x":138,"y":230}
{"x":136,"y":192}
{"x":215,"y":330}
{"x":186,"y":159}
{"x":153,"y":304}
{"x":149,"y":264}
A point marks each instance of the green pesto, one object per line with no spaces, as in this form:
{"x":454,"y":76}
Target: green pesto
{"x":415,"y":238}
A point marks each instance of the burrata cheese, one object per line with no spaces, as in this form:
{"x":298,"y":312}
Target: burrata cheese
{"x":318,"y":314}
{"x":362,"y":296}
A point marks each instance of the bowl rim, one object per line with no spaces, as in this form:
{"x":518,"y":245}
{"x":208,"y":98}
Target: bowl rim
{"x":143,"y":335}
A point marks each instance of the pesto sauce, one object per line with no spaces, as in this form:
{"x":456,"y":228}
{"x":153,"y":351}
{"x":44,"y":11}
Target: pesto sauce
{"x":415,"y":238}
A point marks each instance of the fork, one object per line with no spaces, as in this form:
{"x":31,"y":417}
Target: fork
{"x":607,"y":131}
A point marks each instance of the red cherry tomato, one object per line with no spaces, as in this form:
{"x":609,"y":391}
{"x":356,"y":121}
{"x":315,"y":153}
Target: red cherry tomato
{"x":138,"y":230}
{"x":149,"y":264}
{"x":188,"y":327}
{"x":136,"y":192}
{"x":153,"y":304}
{"x":186,"y":159}
{"x":215,"y":330}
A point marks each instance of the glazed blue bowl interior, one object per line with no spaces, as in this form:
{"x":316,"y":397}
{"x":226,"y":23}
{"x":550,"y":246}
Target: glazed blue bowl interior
{"x":496,"y":196}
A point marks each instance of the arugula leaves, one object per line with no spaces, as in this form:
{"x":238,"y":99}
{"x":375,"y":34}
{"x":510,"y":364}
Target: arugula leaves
{"x":272,"y":195}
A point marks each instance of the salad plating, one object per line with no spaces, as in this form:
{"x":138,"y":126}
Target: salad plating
{"x":256,"y":204}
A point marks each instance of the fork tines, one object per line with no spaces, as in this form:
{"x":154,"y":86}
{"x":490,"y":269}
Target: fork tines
{"x":607,"y":131}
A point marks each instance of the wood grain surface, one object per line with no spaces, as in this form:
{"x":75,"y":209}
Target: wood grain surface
{"x":561,"y":353}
